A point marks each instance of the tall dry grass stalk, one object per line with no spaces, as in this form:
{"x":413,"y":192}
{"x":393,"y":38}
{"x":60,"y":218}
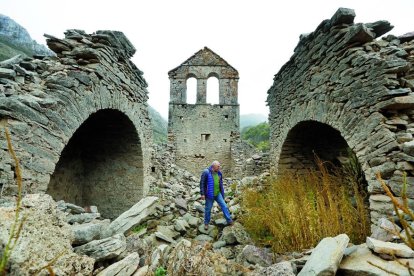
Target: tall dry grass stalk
{"x":17,"y":225}
{"x":296,"y":212}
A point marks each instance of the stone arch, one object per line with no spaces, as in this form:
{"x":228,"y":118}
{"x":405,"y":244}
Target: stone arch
{"x":101,"y":165}
{"x":341,"y":76}
{"x":308,"y":140}
{"x":61,"y":94}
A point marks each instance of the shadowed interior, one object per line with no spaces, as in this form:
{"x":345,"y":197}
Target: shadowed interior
{"x":101,"y":165}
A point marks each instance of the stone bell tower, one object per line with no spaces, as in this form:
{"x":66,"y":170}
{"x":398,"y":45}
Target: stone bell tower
{"x":202,"y":132}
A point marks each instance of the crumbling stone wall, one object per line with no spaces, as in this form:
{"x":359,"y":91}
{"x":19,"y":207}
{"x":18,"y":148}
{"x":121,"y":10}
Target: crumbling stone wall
{"x":201,"y":132}
{"x":343,"y":88}
{"x":79,"y":122}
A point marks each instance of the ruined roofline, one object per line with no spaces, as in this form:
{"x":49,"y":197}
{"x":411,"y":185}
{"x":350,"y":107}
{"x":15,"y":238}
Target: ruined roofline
{"x":200,"y":52}
{"x":353,"y":34}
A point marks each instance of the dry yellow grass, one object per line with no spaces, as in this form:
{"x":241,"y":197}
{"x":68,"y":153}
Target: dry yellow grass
{"x":296,"y":212}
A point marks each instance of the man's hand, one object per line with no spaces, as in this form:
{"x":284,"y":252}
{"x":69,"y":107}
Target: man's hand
{"x":203,"y":197}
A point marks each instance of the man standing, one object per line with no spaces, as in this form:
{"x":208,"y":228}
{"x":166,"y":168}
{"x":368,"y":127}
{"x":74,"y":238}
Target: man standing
{"x":211,"y":189}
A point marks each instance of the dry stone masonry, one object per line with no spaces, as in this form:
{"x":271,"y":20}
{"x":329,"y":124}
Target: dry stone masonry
{"x":202,"y":132}
{"x":344,"y":89}
{"x":79,"y":122}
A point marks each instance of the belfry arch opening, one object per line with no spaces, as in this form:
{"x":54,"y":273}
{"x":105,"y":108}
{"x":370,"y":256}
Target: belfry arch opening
{"x":191,"y":90}
{"x":213,"y":90}
{"x":101,"y":165}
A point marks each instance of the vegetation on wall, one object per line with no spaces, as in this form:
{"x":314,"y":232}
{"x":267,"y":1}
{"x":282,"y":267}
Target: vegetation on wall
{"x":257,"y":135}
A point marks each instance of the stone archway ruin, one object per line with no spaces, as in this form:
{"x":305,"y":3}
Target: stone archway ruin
{"x":72,"y":116}
{"x":101,"y":165}
{"x":340,"y":75}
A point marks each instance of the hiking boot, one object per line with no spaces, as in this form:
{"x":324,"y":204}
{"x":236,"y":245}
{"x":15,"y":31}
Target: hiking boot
{"x":205,"y":226}
{"x":231,"y":223}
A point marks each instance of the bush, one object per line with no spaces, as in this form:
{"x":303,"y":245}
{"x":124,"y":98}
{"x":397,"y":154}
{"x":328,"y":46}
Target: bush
{"x":295,"y":212}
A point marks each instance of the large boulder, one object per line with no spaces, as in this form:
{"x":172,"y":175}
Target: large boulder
{"x":45,"y":238}
{"x":326,"y":256}
{"x":133,"y":217}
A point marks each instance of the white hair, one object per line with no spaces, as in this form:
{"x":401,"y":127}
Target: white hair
{"x":215,"y":162}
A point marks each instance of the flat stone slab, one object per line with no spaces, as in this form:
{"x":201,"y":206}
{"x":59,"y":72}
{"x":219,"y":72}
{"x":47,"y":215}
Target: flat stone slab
{"x":397,"y":249}
{"x":125,"y":267}
{"x":133,"y":217}
{"x":358,"y":263}
{"x":103,"y":249}
{"x":326,"y":256}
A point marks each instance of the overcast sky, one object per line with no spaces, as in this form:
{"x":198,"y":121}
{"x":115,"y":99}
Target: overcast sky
{"x":255,"y":37}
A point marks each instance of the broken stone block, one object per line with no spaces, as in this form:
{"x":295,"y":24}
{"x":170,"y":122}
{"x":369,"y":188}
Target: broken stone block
{"x":326,"y":256}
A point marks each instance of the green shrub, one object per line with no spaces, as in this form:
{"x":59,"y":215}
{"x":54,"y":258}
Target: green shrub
{"x":160,"y":271}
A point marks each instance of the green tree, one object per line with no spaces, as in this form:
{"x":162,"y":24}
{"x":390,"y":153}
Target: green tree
{"x":257,"y":135}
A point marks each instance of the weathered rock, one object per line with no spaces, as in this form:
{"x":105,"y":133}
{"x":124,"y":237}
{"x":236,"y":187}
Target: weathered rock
{"x":44,"y":236}
{"x":84,"y":233}
{"x":192,"y":221}
{"x":133,"y":217}
{"x":235,"y":234}
{"x":125,"y":267}
{"x":82,"y":218}
{"x":164,"y":237}
{"x":326,"y":256}
{"x":280,"y":269}
{"x":397,"y":249}
{"x":362,"y":262}
{"x":220,"y":222}
{"x":256,"y":255}
{"x":386,"y":230}
{"x":74,"y":209}
{"x":203,"y":238}
{"x":219,"y":244}
{"x":158,"y":255}
{"x":142,"y":271}
{"x":104,"y":249}
{"x":7,"y":73}
{"x":181,"y":225}
{"x":181,"y":203}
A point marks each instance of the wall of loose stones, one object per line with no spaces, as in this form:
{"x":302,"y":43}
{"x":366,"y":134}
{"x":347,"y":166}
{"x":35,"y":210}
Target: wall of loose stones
{"x":43,"y":101}
{"x":341,"y":76}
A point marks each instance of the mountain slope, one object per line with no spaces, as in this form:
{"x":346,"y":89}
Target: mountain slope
{"x":14,"y":40}
{"x":159,"y":126}
{"x":251,"y":120}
